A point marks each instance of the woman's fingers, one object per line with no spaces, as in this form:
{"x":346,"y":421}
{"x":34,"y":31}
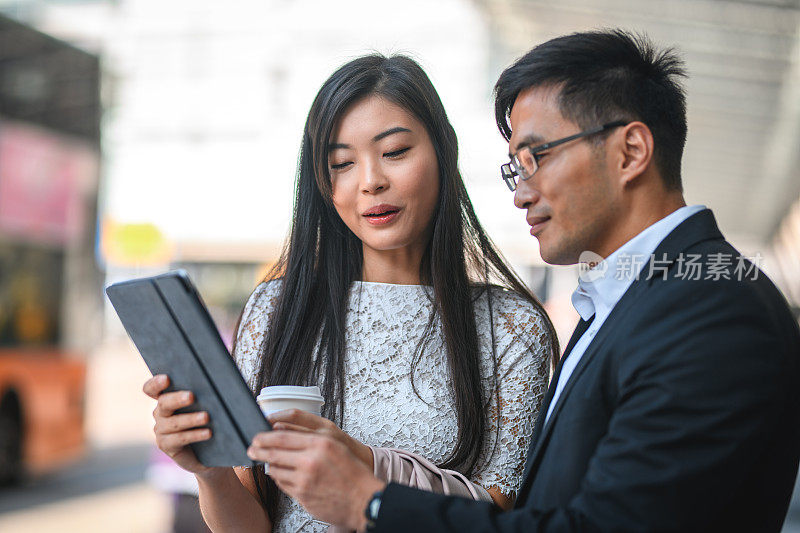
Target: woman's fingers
{"x":169,"y":402}
{"x":174,"y":432}
{"x":172,"y":443}
{"x":155,"y":385}
{"x":182,"y":422}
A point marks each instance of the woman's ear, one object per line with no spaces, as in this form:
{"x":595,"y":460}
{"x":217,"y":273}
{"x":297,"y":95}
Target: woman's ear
{"x":636,"y":148}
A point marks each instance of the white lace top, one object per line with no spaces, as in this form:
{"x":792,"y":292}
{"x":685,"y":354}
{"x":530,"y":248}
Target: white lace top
{"x":384,"y":326}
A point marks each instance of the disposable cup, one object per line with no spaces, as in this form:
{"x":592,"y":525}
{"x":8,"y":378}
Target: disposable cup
{"x":280,"y":397}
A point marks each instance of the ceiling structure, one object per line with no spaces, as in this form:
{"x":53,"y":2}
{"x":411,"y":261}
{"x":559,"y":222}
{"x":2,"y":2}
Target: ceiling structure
{"x":743,"y":58}
{"x":47,"y":82}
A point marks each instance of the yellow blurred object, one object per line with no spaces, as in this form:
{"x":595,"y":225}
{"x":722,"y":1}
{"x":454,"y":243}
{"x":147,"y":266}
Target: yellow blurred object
{"x":32,"y":324}
{"x":135,"y":244}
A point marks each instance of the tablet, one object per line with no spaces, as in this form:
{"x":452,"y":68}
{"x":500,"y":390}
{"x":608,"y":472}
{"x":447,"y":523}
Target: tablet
{"x":170,"y":326}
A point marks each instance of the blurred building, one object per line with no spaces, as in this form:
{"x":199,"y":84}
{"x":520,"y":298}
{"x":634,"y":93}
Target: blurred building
{"x":205,"y":104}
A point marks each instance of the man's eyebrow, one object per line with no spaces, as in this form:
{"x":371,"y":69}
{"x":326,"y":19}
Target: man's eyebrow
{"x":390,"y":131}
{"x":525,"y":141}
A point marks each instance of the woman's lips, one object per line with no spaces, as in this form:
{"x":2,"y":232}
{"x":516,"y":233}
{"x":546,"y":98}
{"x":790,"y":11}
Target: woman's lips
{"x":381,"y":214}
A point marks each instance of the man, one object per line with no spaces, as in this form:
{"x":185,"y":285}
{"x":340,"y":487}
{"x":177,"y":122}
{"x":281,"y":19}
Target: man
{"x":675,"y":406}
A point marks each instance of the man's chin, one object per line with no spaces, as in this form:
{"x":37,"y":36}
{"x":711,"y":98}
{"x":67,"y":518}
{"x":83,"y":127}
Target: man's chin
{"x":553,"y":255}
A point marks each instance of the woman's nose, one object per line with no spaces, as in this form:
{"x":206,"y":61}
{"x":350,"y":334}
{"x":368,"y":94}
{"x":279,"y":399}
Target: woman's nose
{"x":373,"y":178}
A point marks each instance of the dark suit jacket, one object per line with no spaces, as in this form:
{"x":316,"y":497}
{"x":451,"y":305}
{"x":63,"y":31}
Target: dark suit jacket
{"x":683,"y":414}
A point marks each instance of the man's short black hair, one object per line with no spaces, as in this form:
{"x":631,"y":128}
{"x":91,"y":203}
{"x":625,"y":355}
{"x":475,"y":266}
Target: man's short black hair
{"x":605,"y":76}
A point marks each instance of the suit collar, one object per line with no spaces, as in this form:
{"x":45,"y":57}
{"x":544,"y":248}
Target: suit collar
{"x":601,"y":287}
{"x":697,"y":228}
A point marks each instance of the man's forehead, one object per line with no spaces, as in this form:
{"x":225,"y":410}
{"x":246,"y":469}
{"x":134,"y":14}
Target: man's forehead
{"x":535,"y":104}
{"x":534,"y":114}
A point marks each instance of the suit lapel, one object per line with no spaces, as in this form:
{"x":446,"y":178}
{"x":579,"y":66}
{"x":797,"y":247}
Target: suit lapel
{"x":580,"y":329}
{"x":611,"y":323}
{"x":545,"y":428}
{"x":697,"y":228}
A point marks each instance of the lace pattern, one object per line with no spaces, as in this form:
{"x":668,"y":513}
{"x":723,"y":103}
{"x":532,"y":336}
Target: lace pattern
{"x":385,"y":323}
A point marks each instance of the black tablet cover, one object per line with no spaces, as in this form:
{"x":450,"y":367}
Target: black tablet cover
{"x":170,"y":326}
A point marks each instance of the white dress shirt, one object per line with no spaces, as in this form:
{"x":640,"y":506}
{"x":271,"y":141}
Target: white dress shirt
{"x":601,"y":288}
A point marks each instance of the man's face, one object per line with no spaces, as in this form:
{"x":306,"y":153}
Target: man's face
{"x":570,"y":202}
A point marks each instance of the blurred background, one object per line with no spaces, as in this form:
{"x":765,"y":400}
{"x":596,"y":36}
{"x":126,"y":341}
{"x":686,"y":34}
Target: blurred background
{"x":138,"y":136}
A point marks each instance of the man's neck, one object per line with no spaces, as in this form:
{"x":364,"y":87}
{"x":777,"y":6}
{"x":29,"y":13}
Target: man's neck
{"x":639,"y":218}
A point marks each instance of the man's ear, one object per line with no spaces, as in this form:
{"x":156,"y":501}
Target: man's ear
{"x":636,"y":146}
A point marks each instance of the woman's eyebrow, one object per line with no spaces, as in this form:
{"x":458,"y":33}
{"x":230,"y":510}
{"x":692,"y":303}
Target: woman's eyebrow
{"x":390,"y":131}
{"x":378,"y":137}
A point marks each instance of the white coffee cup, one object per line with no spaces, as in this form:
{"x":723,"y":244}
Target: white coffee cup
{"x":280,"y":397}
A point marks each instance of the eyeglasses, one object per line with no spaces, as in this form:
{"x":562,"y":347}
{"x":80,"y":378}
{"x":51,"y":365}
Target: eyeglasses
{"x":525,"y":162}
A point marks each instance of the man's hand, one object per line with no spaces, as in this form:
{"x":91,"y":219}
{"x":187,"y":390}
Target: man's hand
{"x":299,"y":420}
{"x":320,"y":472}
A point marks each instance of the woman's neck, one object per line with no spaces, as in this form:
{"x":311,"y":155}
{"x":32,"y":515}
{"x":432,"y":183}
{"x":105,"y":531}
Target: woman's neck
{"x":398,"y":267}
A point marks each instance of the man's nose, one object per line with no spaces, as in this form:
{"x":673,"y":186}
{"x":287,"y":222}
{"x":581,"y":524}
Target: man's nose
{"x":526,"y":194}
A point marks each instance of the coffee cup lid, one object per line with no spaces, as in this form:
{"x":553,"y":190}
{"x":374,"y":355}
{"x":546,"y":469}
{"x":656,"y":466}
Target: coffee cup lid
{"x":290,"y":392}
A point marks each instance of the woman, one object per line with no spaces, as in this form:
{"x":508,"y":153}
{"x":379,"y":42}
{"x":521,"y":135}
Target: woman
{"x":382,"y":297}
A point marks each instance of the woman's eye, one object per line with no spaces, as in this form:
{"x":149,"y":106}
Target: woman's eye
{"x":339,"y":166}
{"x":397,"y":153}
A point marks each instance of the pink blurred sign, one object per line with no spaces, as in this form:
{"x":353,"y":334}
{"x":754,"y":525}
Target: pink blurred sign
{"x":45,"y":181}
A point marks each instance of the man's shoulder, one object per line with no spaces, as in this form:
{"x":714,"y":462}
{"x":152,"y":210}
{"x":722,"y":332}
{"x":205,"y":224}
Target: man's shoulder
{"x":715,"y":272}
{"x":709,"y":295}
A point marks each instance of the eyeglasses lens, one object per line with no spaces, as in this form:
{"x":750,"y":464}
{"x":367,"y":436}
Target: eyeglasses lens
{"x":509,"y":176}
{"x":525,"y":163}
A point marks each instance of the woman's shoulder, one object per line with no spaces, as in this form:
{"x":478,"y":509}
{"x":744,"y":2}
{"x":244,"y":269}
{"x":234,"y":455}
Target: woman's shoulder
{"x":259,"y":306}
{"x":252,"y":328}
{"x":519,"y":324}
{"x":264,"y":297}
{"x":269,"y":288}
{"x":508,"y":304}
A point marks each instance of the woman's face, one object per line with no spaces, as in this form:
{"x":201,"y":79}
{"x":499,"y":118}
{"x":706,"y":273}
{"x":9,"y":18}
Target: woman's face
{"x":384,"y":176}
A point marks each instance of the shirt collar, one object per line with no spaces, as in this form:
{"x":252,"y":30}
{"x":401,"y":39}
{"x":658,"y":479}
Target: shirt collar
{"x":601,"y":287}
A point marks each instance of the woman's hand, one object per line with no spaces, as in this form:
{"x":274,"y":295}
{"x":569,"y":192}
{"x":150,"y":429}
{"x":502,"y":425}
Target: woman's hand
{"x":174,"y":432}
{"x":298,"y":420}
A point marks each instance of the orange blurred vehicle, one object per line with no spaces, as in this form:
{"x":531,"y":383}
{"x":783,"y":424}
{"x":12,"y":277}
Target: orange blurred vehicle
{"x":41,"y":411}
{"x":49,"y":168}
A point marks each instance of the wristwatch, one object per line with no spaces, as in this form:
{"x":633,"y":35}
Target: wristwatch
{"x":373,"y":507}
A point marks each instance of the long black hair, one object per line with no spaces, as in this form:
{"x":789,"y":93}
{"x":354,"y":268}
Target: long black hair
{"x":322,"y":258}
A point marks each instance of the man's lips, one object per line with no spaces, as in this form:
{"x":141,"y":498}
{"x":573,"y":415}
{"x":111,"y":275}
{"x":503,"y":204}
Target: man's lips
{"x":537,"y":223}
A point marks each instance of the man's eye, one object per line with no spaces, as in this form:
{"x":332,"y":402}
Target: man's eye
{"x":339,"y":166}
{"x":538,"y":156}
{"x":396,"y":153}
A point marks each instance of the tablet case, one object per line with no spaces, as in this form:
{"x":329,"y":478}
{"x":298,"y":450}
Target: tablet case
{"x":170,"y":326}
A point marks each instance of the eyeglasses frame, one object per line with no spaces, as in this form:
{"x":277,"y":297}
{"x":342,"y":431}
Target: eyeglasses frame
{"x":508,"y":171}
